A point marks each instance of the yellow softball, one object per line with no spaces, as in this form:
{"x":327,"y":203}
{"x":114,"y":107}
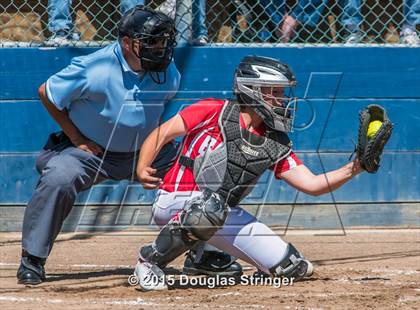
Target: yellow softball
{"x":373,"y":128}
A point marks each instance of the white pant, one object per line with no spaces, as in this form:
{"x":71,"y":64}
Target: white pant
{"x":242,"y":235}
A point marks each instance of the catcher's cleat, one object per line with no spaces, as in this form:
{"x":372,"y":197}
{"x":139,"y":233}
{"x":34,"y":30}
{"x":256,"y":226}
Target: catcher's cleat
{"x":31,"y":270}
{"x":260,"y":274}
{"x":212,"y":263}
{"x":304,"y":269}
{"x":150,"y":277}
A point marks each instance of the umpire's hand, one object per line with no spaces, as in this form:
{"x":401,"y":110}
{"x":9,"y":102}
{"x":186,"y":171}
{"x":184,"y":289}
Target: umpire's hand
{"x":87,"y":145}
{"x":147,"y":179}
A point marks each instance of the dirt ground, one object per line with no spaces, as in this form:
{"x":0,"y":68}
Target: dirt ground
{"x":363,"y":269}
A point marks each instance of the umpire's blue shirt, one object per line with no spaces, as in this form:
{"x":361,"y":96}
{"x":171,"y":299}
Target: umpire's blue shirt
{"x":109,"y":103}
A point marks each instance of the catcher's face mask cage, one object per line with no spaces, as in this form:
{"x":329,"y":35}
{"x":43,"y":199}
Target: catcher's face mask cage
{"x":269,"y":90}
{"x":153,"y":37}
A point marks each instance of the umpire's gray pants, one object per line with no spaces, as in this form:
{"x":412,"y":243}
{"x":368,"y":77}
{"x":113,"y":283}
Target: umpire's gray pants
{"x":66,"y":171}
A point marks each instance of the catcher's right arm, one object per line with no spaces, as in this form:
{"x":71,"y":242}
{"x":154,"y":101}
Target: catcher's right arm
{"x":369,"y":150}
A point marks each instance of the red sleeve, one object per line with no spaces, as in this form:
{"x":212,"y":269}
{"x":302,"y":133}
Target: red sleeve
{"x":286,"y":164}
{"x":202,"y":113}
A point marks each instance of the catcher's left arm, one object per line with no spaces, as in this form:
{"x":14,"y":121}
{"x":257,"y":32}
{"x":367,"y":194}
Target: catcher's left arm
{"x":372,"y":140}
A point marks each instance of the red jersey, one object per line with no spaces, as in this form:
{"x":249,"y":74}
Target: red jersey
{"x":201,"y":120}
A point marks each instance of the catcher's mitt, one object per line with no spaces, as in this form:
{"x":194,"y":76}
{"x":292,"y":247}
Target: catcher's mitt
{"x":369,"y":149}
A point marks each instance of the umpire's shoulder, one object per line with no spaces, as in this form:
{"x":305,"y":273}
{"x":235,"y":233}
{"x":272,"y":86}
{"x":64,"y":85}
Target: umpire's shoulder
{"x":98,"y":67}
{"x":98,"y":59}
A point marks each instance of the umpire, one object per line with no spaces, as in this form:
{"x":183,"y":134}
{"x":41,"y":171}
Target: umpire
{"x":102,"y":106}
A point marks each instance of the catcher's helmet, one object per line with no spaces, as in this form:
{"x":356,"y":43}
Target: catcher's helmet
{"x":155,"y":31}
{"x":256,"y":72}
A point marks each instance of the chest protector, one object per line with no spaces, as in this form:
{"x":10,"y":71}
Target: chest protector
{"x":234,"y":167}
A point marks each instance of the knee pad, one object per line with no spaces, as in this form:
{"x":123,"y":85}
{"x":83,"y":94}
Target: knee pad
{"x":203,"y":215}
{"x":292,"y":265}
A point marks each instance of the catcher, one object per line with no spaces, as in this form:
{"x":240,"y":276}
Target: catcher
{"x":228,"y":145}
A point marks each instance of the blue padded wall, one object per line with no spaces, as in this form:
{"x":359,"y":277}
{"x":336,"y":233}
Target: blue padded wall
{"x":334,"y":83}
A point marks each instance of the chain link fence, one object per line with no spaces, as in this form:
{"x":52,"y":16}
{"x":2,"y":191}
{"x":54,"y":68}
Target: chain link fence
{"x":225,"y":22}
